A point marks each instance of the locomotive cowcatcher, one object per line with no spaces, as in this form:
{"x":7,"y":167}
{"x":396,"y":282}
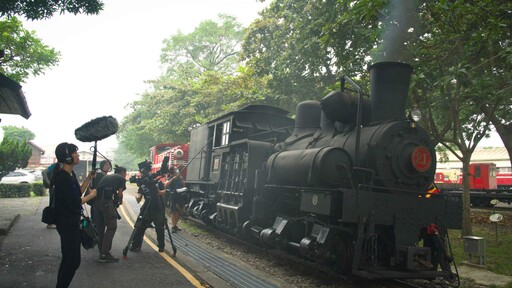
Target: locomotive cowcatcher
{"x":343,"y":185}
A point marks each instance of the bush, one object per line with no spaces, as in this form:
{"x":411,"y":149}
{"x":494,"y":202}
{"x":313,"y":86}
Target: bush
{"x":15,"y":190}
{"x":22,"y":190}
{"x":38,"y":189}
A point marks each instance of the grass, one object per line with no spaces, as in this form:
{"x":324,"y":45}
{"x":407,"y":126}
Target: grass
{"x":497,"y":252}
{"x":190,"y":226}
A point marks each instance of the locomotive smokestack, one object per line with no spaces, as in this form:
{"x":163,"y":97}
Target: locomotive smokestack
{"x":389,"y":88}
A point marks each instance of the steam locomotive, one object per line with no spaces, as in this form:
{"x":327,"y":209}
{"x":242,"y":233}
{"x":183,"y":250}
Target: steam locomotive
{"x":343,"y":185}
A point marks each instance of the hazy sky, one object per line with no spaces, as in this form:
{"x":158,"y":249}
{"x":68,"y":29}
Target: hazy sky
{"x":105,"y":60}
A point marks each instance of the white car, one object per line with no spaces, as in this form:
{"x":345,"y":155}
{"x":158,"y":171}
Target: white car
{"x":18,"y":176}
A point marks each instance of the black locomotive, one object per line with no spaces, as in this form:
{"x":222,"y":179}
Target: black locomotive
{"x":343,"y":185}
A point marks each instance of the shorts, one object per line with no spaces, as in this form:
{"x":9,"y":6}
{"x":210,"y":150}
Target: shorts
{"x":178,"y":202}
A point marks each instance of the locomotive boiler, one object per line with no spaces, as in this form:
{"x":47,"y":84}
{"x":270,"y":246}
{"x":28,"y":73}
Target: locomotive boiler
{"x":343,"y":185}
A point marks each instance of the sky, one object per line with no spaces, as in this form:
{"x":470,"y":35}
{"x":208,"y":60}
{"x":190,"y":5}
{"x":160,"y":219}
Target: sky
{"x":105,"y":60}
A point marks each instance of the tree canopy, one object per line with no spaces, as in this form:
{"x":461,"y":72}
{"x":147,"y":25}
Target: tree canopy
{"x":202,"y":79}
{"x":37,"y":10}
{"x":24,"y":53}
{"x":18,"y":133}
{"x":14,"y":150}
{"x":212,"y":46}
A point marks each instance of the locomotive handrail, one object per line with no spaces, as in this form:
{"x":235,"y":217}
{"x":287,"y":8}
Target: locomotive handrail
{"x":359,"y":114}
{"x":382,"y":189}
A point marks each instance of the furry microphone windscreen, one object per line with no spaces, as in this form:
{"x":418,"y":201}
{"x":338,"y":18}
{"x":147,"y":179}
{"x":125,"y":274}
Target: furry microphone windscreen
{"x":97,"y":129}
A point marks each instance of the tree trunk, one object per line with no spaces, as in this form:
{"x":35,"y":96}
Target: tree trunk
{"x":467,"y":229}
{"x":504,"y":130}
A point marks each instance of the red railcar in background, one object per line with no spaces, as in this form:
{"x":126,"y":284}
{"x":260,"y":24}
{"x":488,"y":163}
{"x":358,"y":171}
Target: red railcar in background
{"x":158,"y":149}
{"x":482,"y":176}
{"x":504,"y":180}
{"x":178,"y":156}
{"x":485,"y":183}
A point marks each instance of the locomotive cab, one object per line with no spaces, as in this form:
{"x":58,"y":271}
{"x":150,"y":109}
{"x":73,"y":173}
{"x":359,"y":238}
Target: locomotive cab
{"x":229,"y":149}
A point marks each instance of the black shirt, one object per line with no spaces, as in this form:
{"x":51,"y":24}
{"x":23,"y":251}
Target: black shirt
{"x":97,"y":179}
{"x":68,"y":198}
{"x":109,"y":185}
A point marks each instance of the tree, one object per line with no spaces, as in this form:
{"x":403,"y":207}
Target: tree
{"x":212,"y":46}
{"x":125,"y":158}
{"x":14,"y":150}
{"x":37,"y":10}
{"x":18,"y":134}
{"x":463,"y":75}
{"x":24,"y":53}
{"x":202,"y":77}
{"x":305,"y":46}
{"x":287,"y":44}
{"x":167,"y":113}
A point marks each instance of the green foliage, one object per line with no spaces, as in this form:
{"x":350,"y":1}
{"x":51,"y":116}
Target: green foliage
{"x":17,"y":133}
{"x":25,"y":54}
{"x":22,"y":190}
{"x":462,"y":75}
{"x":212,"y":46}
{"x":37,"y":10}
{"x":38,"y":189}
{"x":202,"y":80}
{"x":123,"y":157}
{"x":13,"y":154}
{"x":304,"y":46}
{"x":458,"y":71}
{"x":15,"y":190}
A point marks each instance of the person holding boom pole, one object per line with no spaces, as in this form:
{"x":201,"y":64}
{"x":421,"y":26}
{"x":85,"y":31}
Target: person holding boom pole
{"x":68,"y":208}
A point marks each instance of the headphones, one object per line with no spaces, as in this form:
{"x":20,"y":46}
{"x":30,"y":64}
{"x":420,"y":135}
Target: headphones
{"x":69,"y":158}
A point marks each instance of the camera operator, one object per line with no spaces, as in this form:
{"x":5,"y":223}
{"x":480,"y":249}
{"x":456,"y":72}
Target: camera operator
{"x":153,"y":211}
{"x":109,"y":197}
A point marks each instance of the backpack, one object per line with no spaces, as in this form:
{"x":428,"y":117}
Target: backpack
{"x":47,"y":175}
{"x":46,"y":178}
{"x":88,"y":233}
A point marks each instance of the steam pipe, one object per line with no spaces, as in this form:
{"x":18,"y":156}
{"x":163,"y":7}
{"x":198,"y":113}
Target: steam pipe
{"x":359,"y":114}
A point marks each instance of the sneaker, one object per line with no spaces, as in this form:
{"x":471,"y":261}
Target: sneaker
{"x":135,"y":249}
{"x":51,"y":226}
{"x":175,"y":229}
{"x":161,"y":249}
{"x":107,"y":258}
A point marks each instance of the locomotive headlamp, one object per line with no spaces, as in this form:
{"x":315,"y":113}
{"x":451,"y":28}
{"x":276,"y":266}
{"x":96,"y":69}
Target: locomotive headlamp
{"x":415,"y":115}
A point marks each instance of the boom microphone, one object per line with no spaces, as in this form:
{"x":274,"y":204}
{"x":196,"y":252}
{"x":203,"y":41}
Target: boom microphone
{"x":97,"y":129}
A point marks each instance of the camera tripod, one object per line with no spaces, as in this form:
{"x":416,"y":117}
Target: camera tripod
{"x":140,"y":220}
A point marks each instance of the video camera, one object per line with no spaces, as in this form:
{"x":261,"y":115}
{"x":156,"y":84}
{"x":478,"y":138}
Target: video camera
{"x":148,"y":181}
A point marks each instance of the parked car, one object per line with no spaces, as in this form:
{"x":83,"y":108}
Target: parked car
{"x":37,"y":173}
{"x":18,"y":176}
